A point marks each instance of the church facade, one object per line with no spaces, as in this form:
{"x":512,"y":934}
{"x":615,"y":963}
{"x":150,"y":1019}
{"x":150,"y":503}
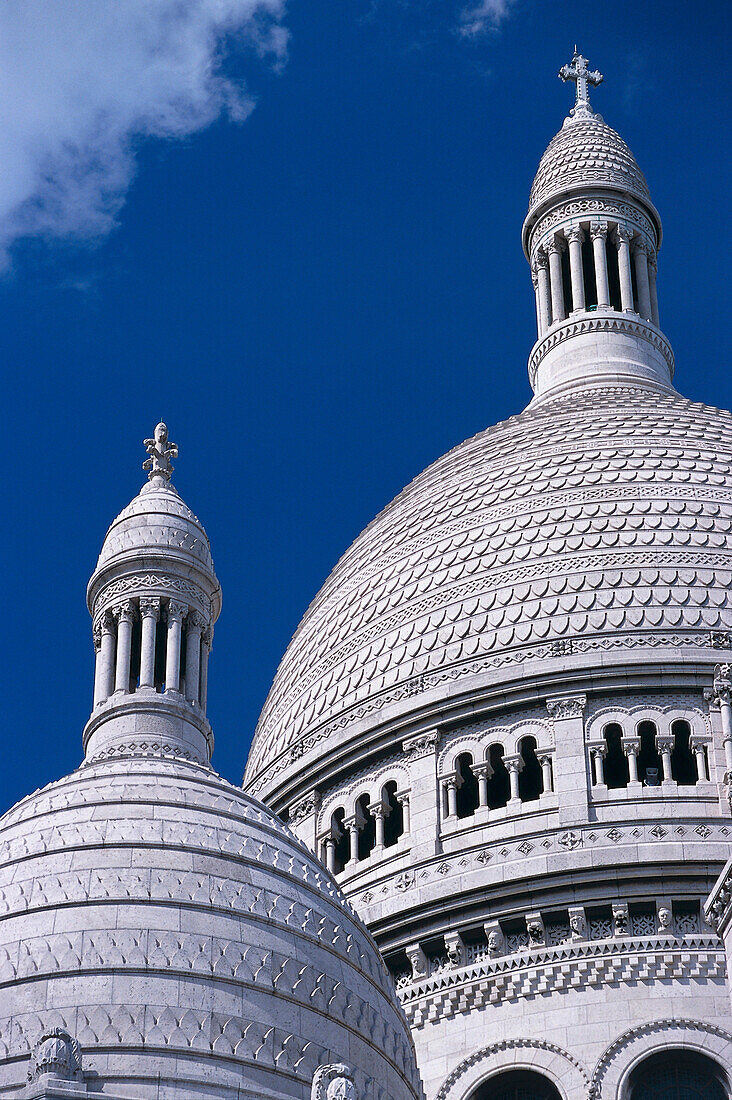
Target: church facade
{"x":481,"y":847}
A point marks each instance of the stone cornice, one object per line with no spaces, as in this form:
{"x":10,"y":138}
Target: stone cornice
{"x":606,"y":322}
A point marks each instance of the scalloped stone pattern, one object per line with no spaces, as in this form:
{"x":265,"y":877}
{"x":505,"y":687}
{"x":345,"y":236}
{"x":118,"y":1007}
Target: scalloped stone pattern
{"x":174,"y":926}
{"x":604,"y":517}
{"x":587,"y":151}
{"x":140,"y":526}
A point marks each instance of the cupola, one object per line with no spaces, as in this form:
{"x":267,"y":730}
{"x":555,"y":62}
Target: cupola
{"x":154,"y":599}
{"x":592,"y":236}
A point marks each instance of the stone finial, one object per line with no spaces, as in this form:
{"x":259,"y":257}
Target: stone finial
{"x":334,"y":1082}
{"x":57,"y":1054}
{"x":578,"y":71}
{"x":161,"y":450}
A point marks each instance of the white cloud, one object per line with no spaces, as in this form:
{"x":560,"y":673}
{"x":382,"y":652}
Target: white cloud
{"x":82,"y":81}
{"x":486,"y":15}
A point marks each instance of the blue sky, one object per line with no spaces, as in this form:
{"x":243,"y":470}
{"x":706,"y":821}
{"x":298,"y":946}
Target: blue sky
{"x":293,"y":231}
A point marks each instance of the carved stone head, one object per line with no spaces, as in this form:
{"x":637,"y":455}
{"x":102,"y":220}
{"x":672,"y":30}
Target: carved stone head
{"x":665,"y":919}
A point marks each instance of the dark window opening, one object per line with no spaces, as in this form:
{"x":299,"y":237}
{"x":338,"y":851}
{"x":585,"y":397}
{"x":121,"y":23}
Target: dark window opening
{"x":617,"y":774}
{"x":566,"y":282}
{"x":135,"y":653}
{"x":161,"y":634}
{"x":683,"y":764}
{"x":499,"y":785}
{"x":367,"y":832}
{"x":183,"y":651}
{"x":588,"y":269}
{"x":613,"y":272}
{"x":531,"y":785}
{"x":394,"y":822}
{"x":650,"y":768}
{"x":342,"y":839}
{"x":467,"y":792}
{"x":517,"y":1084}
{"x":678,"y":1075}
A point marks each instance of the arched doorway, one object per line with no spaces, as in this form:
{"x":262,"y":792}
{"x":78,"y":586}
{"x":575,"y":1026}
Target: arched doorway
{"x":678,"y":1075}
{"x":518,"y":1084}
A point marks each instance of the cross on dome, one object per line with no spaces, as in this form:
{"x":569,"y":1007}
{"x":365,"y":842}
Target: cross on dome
{"x":161,"y":451}
{"x":579,"y":71}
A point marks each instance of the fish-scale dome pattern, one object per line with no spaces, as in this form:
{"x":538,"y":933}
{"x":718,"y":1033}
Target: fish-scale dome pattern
{"x":157,"y":520}
{"x":174,"y":926}
{"x":585,"y":153}
{"x":604,"y":516}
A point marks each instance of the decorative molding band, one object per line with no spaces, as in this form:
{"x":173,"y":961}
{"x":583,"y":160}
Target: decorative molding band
{"x":507,"y":1044}
{"x":594,"y":324}
{"x":590,"y":209}
{"x":142,"y":582}
{"x":586,"y":966}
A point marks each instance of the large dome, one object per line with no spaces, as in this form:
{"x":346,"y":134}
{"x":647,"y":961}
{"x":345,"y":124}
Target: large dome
{"x":595,"y":521}
{"x":187,"y":941}
{"x":587,"y":152}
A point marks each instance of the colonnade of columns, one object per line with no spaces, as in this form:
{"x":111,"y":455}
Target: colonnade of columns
{"x":354,"y":825}
{"x":633,"y":253}
{"x":114,"y":644}
{"x":631,"y":747}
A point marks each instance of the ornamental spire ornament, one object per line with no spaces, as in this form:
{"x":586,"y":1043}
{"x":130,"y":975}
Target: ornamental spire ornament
{"x":579,"y":71}
{"x":161,"y":451}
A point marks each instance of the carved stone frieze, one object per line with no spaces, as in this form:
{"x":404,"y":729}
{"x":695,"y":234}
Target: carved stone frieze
{"x":304,"y":807}
{"x":141,"y":583}
{"x":599,"y":323}
{"x":423,"y":744}
{"x":595,"y":208}
{"x":566,"y":706}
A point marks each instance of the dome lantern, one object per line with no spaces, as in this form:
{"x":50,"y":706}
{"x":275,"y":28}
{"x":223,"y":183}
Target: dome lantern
{"x":591,"y":236}
{"x":154,"y":599}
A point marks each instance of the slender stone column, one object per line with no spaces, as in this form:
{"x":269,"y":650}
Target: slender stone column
{"x":402,"y":798}
{"x":125,"y":616}
{"x":354,"y":828}
{"x":482,"y":771}
{"x":702,"y":772}
{"x":541,"y":264}
{"x":545,"y":762}
{"x":598,"y":763}
{"x":575,"y":237}
{"x":554,"y":253}
{"x":631,"y":748}
{"x":150,"y":613}
{"x":665,"y":746}
{"x":379,"y":811}
{"x":206,"y":639}
{"x":623,"y":238}
{"x":176,"y":611}
{"x":330,"y":851}
{"x":451,"y":786}
{"x":535,"y":284}
{"x":598,"y":232}
{"x":194,"y":627}
{"x":104,"y":678}
{"x":640,"y":258}
{"x":513,"y":766}
{"x":652,"y":273}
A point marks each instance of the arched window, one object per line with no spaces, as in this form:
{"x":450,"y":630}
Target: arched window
{"x":617,"y":774}
{"x":499,"y":785}
{"x":531,"y":785}
{"x":650,"y":768}
{"x":683,"y":764}
{"x":517,"y":1084}
{"x":678,"y":1075}
{"x":467,"y":792}
{"x":340,"y":835}
{"x":367,"y":832}
{"x":394,"y":822}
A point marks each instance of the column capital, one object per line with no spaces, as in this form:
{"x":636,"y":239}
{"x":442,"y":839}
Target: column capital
{"x":124,"y":612}
{"x":535,"y":278}
{"x":379,"y":809}
{"x":639,"y":245}
{"x":402,"y":797}
{"x":513,"y":763}
{"x":622,"y":235}
{"x":566,"y":706}
{"x":423,"y":744}
{"x":598,"y":751}
{"x":541,"y":260}
{"x":554,"y":247}
{"x":195,"y":620}
{"x":652,"y":260}
{"x":631,"y":745}
{"x":176,"y":610}
{"x":599,"y":230}
{"x":451,"y":781}
{"x":150,"y":607}
{"x":574,"y":234}
{"x":664,"y":742}
{"x":483,"y":767}
{"x":353,"y":823}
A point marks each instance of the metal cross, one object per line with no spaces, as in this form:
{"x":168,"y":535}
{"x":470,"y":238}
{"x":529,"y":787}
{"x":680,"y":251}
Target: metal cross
{"x":161,"y":451}
{"x":578,"y":71}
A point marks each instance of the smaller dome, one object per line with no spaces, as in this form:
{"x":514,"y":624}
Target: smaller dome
{"x":587,"y":152}
{"x":157,"y":520}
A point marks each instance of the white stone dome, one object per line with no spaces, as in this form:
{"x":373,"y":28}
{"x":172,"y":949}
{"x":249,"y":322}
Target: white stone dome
{"x":189,"y":943}
{"x":587,"y":152}
{"x":598,"y":521}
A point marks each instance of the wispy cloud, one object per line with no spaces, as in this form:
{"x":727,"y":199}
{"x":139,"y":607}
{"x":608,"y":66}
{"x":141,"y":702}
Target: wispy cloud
{"x":486,"y":15}
{"x":81,"y":84}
